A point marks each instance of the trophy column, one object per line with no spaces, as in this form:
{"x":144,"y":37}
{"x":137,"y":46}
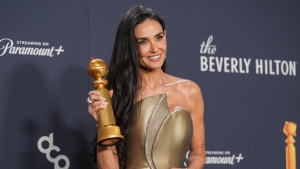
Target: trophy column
{"x":108,"y":132}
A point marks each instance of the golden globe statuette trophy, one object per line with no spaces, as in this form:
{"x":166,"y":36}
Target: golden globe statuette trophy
{"x":108,"y":132}
{"x":289,"y":130}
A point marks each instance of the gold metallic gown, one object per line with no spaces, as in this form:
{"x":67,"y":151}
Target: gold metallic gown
{"x":159,"y":139}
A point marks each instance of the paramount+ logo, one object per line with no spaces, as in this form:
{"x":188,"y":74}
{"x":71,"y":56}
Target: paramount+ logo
{"x":51,"y":147}
{"x":220,"y":158}
{"x":29,"y":48}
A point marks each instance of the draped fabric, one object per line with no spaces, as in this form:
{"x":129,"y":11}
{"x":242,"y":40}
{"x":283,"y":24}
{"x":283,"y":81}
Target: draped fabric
{"x":160,"y":138}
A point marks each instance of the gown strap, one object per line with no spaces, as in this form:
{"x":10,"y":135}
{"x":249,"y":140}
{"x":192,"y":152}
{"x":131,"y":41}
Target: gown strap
{"x":178,"y":81}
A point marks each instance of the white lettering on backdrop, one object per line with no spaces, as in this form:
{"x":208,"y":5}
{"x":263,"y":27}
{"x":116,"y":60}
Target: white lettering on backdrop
{"x":50,"y":148}
{"x":217,"y":64}
{"x":7,"y":47}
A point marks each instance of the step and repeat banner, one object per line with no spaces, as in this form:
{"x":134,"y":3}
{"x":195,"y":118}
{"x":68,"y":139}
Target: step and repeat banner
{"x":243,"y":54}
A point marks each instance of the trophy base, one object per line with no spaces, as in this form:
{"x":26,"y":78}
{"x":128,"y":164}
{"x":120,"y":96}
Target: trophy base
{"x":109,"y":135}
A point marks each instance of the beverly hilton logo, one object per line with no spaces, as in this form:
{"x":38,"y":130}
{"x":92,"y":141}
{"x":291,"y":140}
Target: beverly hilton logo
{"x":209,"y":62}
{"x":31,"y":48}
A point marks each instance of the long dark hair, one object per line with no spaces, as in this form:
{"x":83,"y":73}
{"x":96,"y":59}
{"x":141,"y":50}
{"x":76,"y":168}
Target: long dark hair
{"x":123,"y":76}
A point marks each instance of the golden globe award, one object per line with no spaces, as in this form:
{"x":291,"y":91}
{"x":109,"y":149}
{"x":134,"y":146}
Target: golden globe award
{"x":108,"y":132}
{"x":289,"y":130}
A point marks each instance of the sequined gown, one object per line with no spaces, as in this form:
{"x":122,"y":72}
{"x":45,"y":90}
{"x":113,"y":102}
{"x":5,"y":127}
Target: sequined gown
{"x":159,"y":139}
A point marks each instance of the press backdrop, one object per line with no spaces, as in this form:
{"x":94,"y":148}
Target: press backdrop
{"x":243,"y":54}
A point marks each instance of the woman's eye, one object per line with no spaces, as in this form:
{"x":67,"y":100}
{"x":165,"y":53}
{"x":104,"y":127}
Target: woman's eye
{"x":142,"y":42}
{"x":159,"y":37}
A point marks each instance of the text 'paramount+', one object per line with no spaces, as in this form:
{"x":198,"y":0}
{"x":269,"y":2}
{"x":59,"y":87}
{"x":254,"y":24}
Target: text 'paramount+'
{"x":8,"y":47}
{"x":214,"y":63}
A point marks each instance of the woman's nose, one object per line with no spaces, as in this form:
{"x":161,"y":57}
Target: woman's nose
{"x":153,"y":47}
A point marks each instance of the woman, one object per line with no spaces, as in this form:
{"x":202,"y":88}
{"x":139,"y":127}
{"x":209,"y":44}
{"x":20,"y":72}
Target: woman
{"x":160,"y":116}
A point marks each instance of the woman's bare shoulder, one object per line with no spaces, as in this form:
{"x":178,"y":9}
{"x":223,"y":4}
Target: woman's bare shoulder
{"x":184,"y":86}
{"x":189,"y":86}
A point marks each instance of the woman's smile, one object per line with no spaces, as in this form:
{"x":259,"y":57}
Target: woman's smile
{"x":154,"y":58}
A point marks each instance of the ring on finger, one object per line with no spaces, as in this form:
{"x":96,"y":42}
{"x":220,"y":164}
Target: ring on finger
{"x":88,"y":100}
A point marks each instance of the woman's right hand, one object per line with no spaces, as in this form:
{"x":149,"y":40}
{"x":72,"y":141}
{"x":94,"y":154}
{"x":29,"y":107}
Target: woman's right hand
{"x":98,"y":103}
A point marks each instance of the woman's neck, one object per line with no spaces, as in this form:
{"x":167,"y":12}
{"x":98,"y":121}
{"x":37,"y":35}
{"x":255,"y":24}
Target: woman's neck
{"x":152,"y":79}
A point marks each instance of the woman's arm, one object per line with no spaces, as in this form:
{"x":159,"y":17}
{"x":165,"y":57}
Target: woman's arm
{"x":107,"y":157}
{"x":197,"y":155}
